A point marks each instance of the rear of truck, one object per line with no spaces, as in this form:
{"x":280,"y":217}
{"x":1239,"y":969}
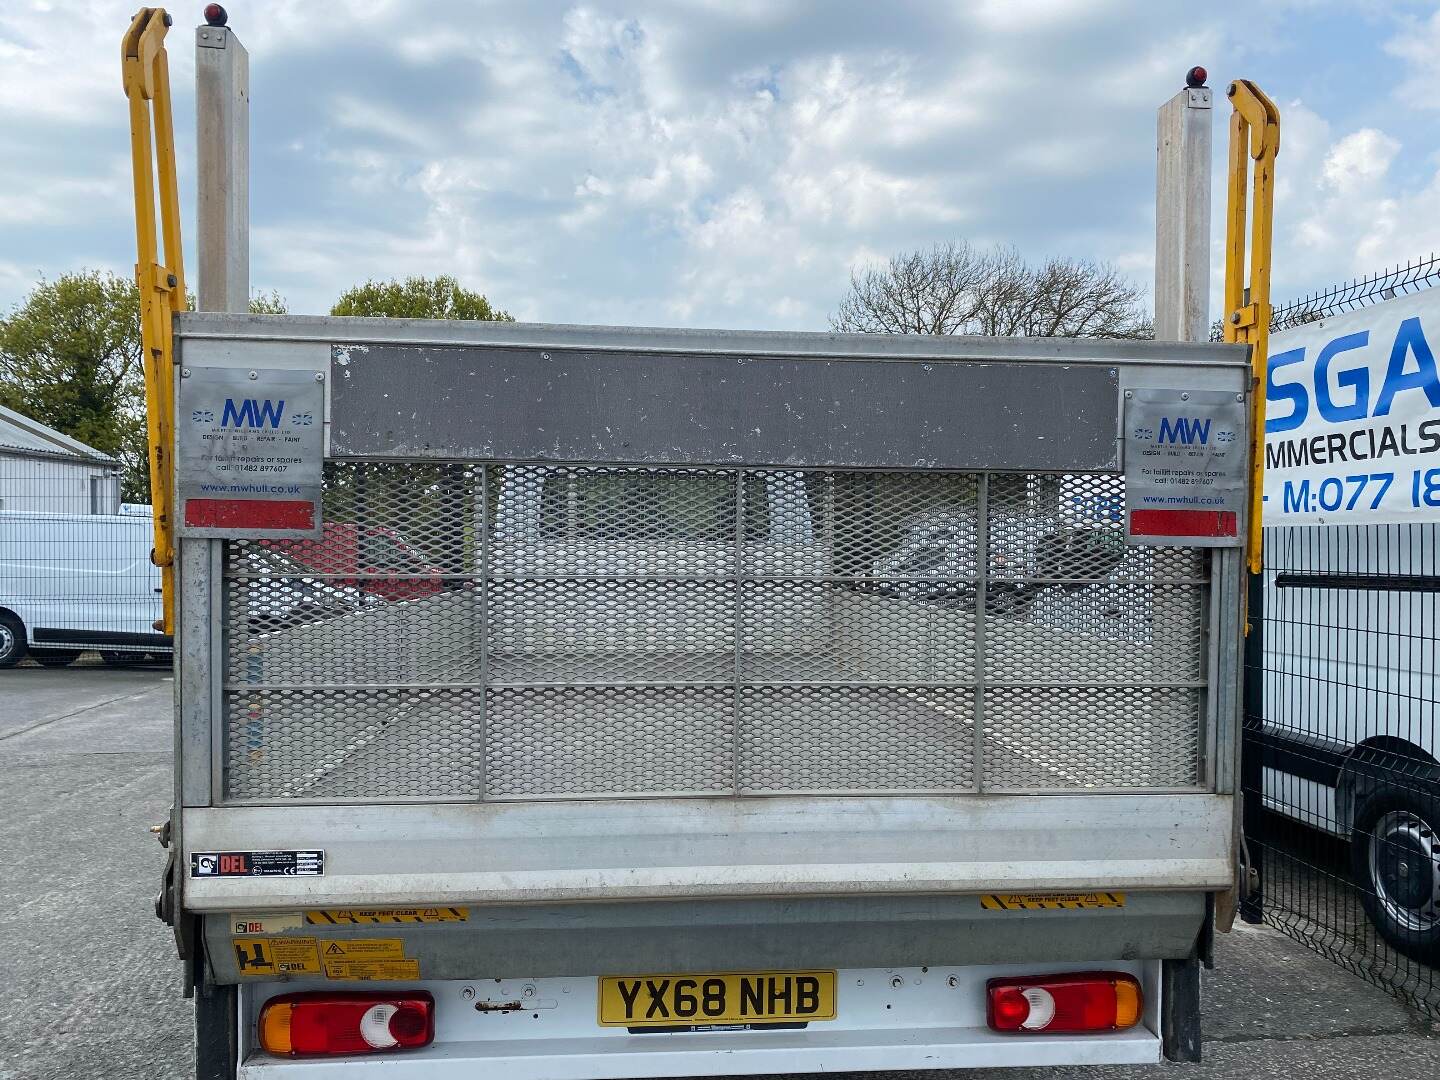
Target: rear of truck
{"x":787,"y":703}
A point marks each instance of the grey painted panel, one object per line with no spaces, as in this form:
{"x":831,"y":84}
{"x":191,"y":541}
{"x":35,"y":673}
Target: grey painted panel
{"x":541,"y":941}
{"x":506,"y":404}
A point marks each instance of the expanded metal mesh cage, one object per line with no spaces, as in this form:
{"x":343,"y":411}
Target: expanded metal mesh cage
{"x":463,"y":631}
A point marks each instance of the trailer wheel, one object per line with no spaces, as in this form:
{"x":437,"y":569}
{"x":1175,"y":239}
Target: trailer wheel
{"x":12,"y":640}
{"x":1395,"y":856}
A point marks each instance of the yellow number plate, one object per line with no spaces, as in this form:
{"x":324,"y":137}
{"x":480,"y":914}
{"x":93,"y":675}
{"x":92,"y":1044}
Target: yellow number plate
{"x":765,"y":997}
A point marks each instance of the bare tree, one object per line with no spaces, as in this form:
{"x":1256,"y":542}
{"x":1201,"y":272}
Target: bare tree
{"x":955,"y":289}
{"x":925,"y":292}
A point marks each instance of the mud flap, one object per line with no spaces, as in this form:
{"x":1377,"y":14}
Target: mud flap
{"x":1180,"y":1010}
{"x":217,"y":1035}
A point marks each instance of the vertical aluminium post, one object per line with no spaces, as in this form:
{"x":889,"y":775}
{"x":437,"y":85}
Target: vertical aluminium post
{"x":222,"y":146}
{"x":222,"y":129}
{"x":222,"y":166}
{"x":1182,"y":217}
{"x":1182,"y":246}
{"x":1182,"y":313}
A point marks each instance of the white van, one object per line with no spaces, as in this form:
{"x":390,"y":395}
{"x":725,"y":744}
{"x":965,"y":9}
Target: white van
{"x":70,"y":582}
{"x":1351,"y":742}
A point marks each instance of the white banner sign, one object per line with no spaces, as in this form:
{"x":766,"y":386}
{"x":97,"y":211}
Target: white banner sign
{"x":1352,"y":426}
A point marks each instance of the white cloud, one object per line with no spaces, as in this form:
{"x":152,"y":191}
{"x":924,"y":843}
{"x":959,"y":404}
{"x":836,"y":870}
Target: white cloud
{"x":1022,"y":14}
{"x":48,"y":62}
{"x":723,"y":162}
{"x":1340,"y":211}
{"x":16,"y":279}
{"x":1357,"y":164}
{"x":1418,"y":45}
{"x":371,"y":118}
{"x":61,"y":199}
{"x":1058,"y":156}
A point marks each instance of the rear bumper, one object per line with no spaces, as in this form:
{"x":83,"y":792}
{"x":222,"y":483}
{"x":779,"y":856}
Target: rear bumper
{"x":888,"y":1019}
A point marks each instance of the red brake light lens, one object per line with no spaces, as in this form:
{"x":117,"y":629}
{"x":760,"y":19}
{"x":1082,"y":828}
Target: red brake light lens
{"x":320,"y":1024}
{"x":1064,"y":1004}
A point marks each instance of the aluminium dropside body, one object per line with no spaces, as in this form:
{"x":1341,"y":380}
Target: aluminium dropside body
{"x":750,"y":652}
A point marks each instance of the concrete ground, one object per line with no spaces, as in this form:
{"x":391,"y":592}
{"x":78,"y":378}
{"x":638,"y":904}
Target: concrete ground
{"x":92,"y":989}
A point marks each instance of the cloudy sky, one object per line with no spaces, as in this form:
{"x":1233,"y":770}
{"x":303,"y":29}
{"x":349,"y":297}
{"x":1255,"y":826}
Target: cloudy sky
{"x":719,"y":162}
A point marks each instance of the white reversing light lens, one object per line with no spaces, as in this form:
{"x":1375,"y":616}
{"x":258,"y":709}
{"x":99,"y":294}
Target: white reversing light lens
{"x":375,"y":1025}
{"x":1042,"y":1008}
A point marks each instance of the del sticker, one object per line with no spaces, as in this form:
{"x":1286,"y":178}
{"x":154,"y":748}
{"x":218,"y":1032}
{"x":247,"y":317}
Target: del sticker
{"x":276,"y":956}
{"x":246,"y":925}
{"x":219,"y":864}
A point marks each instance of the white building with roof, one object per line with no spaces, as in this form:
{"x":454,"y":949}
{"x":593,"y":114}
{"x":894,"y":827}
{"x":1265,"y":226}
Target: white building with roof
{"x":43,"y":471}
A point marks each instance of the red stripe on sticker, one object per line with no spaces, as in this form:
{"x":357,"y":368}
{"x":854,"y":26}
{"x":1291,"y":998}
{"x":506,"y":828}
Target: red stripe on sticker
{"x":250,"y":513}
{"x":1183,"y":523}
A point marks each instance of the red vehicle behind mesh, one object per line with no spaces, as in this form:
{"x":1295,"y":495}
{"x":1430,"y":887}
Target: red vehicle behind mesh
{"x":375,"y":559}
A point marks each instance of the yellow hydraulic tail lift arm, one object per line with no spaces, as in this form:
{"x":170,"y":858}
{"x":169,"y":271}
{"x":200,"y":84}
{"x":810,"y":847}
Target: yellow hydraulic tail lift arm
{"x":1254,"y":136}
{"x":162,"y":285}
{"x":1254,"y":144}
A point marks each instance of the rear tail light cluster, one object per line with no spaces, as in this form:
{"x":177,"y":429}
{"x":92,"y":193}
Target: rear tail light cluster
{"x":1058,"y":1004}
{"x":320,"y":1024}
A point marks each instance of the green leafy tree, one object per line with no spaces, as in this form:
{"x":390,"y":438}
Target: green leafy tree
{"x":271,"y":303}
{"x":70,"y":357}
{"x":418,"y":298}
